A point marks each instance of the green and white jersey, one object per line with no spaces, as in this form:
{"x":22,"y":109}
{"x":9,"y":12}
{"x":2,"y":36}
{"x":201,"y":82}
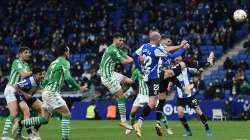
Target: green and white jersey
{"x":57,"y":72}
{"x":110,"y":58}
{"x":143,"y":88}
{"x":17,"y":67}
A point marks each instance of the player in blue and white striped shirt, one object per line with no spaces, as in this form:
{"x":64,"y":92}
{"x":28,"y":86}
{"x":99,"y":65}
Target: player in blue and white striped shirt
{"x":184,"y":99}
{"x":152,"y":53}
{"x":25,"y":91}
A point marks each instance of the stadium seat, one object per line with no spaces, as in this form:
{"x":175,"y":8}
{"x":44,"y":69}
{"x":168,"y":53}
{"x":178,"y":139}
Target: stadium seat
{"x":217,"y":114}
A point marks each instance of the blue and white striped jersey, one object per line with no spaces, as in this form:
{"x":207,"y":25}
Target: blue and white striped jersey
{"x":184,"y":79}
{"x":29,"y":85}
{"x":151,"y":54}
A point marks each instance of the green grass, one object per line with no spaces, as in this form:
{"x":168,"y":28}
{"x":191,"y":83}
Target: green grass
{"x":109,"y":130}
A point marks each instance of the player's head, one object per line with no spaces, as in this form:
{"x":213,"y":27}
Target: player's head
{"x":24,"y":53}
{"x":118,"y":40}
{"x":38,"y":74}
{"x":154,"y":37}
{"x":178,"y":59}
{"x":166,"y":40}
{"x":63,"y":50}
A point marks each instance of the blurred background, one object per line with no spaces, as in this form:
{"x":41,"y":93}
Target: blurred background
{"x":87,"y":27}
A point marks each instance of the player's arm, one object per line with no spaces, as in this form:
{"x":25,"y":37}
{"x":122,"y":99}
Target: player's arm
{"x":177,"y":53}
{"x":174,"y":48}
{"x":136,"y":55}
{"x":69,"y":79}
{"x":121,"y":56}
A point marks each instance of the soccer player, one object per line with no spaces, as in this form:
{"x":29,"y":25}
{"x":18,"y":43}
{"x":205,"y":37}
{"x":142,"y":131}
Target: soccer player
{"x":25,"y":90}
{"x":19,"y":70}
{"x":152,"y":53}
{"x":166,"y":42}
{"x":141,"y":99}
{"x":184,"y":99}
{"x":57,"y":72}
{"x":112,"y":80}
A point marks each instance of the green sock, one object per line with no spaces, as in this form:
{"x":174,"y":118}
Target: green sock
{"x":65,"y":122}
{"x":122,"y":108}
{"x":7,"y":125}
{"x":34,"y":121}
{"x":132,"y":118}
{"x":164,"y":120}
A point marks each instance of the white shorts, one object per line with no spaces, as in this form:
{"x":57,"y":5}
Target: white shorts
{"x":52,"y":100}
{"x":113,"y":83}
{"x":9,"y":94}
{"x":141,"y":100}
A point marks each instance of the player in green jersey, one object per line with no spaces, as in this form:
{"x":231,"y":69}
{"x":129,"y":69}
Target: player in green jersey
{"x":57,"y":72}
{"x":19,"y":70}
{"x":112,"y":80}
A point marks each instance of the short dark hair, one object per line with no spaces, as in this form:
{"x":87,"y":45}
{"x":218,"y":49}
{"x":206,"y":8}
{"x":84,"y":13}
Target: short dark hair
{"x":117,"y":35}
{"x":37,"y":70}
{"x":61,"y":49}
{"x":22,"y":49}
{"x":164,"y":36}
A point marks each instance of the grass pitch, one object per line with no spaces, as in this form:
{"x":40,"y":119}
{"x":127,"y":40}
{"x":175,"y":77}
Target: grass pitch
{"x":109,"y":130}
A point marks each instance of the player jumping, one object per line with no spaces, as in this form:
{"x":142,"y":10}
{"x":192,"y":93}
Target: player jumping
{"x":112,"y":80}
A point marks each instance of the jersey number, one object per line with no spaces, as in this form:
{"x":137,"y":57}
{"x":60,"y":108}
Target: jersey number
{"x":147,"y":62}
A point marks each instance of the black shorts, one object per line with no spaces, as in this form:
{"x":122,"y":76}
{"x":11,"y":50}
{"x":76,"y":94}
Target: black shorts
{"x":153,"y":87}
{"x":29,"y":102}
{"x":192,"y":102}
{"x":163,"y":85}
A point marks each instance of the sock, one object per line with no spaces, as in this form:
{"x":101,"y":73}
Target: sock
{"x":132,"y":118}
{"x":164,"y":121}
{"x":159,"y":109}
{"x":185,"y":123}
{"x":65,"y":122}
{"x":7,"y":125}
{"x":145,"y":112}
{"x":175,"y":81}
{"x":34,"y":121}
{"x":122,"y":108}
{"x":204,"y":121}
{"x":37,"y":127}
{"x":29,"y":129}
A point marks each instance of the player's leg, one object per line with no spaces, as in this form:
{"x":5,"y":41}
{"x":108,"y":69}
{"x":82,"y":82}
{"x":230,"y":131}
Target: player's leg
{"x":37,"y":106}
{"x":24,"y":108}
{"x":65,"y":122}
{"x":125,"y":82}
{"x":9,"y":94}
{"x":194,"y":104}
{"x":132,"y":118}
{"x":121,"y":99}
{"x":182,"y":118}
{"x":171,"y":75}
{"x":114,"y":86}
{"x":50,"y":101}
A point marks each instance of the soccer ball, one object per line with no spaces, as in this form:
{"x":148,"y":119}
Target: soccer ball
{"x":240,"y":15}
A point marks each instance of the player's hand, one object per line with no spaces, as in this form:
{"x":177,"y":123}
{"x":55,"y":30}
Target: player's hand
{"x":84,"y":88}
{"x":183,"y":43}
{"x":27,"y":96}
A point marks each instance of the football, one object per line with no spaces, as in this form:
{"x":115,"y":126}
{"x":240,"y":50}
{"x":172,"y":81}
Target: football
{"x":240,"y":15}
